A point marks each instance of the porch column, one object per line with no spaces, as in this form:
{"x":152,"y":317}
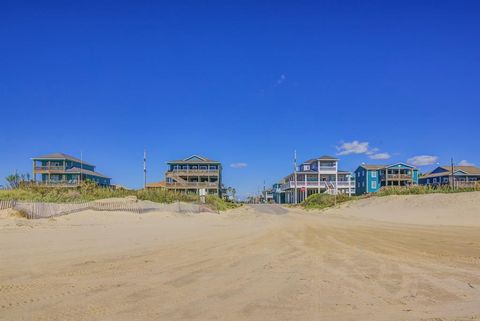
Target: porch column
{"x":336,"y":177}
{"x":306,"y":187}
{"x":318,"y":169}
{"x":33,"y":171}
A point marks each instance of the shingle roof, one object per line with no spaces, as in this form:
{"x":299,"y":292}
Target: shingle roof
{"x":324,"y":157}
{"x":467,"y":169}
{"x":189,"y":160}
{"x":377,"y":167}
{"x":470,"y":170}
{"x":76,"y":170}
{"x":62,"y":156}
{"x":374,"y":167}
{"x":157,"y":184}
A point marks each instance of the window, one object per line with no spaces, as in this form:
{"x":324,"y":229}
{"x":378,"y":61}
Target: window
{"x":306,"y":167}
{"x":374,"y":174}
{"x":358,"y":174}
{"x":363,"y":184}
{"x":374,"y":184}
{"x":363,"y":173}
{"x":434,"y":180}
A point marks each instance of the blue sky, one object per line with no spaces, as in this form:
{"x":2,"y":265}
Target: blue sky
{"x":241,"y":82}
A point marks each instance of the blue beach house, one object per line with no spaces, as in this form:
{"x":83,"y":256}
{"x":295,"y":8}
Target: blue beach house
{"x":370,"y":178}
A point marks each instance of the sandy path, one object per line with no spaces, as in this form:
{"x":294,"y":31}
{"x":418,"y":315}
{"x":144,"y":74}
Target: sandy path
{"x":245,"y":265}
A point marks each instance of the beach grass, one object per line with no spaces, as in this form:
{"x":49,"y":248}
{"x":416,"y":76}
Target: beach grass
{"x":321,"y":201}
{"x":90,"y":192}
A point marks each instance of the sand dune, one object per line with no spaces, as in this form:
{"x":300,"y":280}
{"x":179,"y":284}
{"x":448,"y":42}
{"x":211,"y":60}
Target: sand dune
{"x":359,"y":262}
{"x":432,"y":209}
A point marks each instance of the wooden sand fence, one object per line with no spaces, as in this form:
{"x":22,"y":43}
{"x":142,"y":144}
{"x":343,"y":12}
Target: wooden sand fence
{"x":36,"y":210}
{"x":7,"y":204}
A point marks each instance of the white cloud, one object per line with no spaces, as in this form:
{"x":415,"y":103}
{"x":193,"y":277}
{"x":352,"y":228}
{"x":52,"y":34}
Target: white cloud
{"x":238,"y":165}
{"x":465,"y":163}
{"x":380,"y":156}
{"x":423,"y":160}
{"x":280,"y":80}
{"x":354,"y":147}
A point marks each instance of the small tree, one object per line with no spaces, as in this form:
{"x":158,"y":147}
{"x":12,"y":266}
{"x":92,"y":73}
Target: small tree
{"x":17,"y":180}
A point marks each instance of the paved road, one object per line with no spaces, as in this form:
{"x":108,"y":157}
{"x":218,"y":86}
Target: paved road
{"x":268,"y":209}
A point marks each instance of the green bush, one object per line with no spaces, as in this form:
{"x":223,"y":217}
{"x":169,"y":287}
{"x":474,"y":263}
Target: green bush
{"x":423,"y":189}
{"x":219,"y":204}
{"x":89,"y":191}
{"x":319,"y":201}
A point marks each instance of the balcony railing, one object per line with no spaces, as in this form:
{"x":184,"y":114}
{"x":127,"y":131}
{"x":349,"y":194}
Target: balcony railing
{"x":399,"y":176}
{"x":194,"y":171}
{"x":327,"y":168}
{"x":49,"y":168}
{"x":192,"y":185}
{"x":321,"y":184}
{"x":58,"y":183}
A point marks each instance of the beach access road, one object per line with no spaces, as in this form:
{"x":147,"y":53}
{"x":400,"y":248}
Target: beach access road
{"x":261,"y":262}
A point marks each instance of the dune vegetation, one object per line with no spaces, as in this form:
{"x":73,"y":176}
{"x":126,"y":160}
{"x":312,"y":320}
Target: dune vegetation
{"x":89,"y":191}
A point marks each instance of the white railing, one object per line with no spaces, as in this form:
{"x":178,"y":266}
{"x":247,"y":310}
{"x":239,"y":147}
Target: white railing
{"x":194,"y":171}
{"x":321,"y":184}
{"x":191,"y":184}
{"x":49,"y":168}
{"x":328,"y":168}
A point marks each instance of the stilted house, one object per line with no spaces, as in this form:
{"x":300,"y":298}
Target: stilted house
{"x":63,"y":170}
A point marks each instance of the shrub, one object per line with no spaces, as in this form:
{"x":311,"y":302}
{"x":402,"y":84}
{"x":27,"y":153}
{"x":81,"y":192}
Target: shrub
{"x":323,"y":200}
{"x":219,"y":204}
{"x":89,"y":191}
{"x":423,"y":189}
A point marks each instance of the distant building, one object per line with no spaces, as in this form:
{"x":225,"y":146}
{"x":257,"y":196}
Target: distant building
{"x":192,"y":174}
{"x":267,"y":196}
{"x":278,"y":194}
{"x":317,"y":175}
{"x":63,"y":170}
{"x":157,"y":185}
{"x":463,"y":176}
{"x":370,"y":178}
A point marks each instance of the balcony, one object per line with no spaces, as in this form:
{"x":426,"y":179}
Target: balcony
{"x":49,"y":168}
{"x":327,"y":168}
{"x":200,"y":172}
{"x":316,"y":184}
{"x":192,"y":185}
{"x":398,"y":177}
{"x":62,"y":183}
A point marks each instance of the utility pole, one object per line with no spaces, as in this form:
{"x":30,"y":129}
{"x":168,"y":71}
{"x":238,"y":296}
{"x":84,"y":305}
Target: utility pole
{"x":453,"y":177}
{"x":144,"y":168}
{"x":81,"y":165}
{"x":295,"y":175}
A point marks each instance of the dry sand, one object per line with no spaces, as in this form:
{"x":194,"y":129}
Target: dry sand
{"x":395,"y":258}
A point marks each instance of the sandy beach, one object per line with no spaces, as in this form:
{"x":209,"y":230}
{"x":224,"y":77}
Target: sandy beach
{"x":391,"y":258}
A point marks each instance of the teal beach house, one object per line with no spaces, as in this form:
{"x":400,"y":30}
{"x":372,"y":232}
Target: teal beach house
{"x":63,"y":170}
{"x":370,"y":178}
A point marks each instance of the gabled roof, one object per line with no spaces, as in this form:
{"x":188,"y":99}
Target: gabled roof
{"x":161,"y":184}
{"x":76,"y":170}
{"x":373,"y":167}
{"x":457,"y":170}
{"x":377,"y":167}
{"x":324,"y":157}
{"x":467,"y":169}
{"x":195,"y":159}
{"x":61,"y":156}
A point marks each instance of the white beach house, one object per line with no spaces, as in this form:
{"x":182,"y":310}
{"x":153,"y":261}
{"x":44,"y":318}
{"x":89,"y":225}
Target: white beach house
{"x":317,"y":175}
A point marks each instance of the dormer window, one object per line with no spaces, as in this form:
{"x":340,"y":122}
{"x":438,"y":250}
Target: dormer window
{"x":306,"y":167}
